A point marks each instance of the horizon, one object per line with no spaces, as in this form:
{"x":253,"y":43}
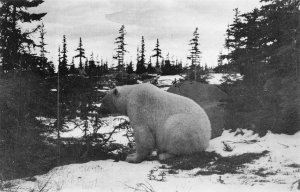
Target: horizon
{"x":172,"y":22}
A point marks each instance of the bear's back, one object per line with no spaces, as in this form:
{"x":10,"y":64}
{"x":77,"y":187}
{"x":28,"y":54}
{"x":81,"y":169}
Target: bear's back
{"x":150,"y":99}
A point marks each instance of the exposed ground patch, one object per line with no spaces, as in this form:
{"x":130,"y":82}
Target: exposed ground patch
{"x":212,"y":163}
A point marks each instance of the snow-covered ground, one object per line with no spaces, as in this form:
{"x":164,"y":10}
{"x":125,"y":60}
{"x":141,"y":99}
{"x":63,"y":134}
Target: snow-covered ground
{"x":212,"y":78}
{"x":165,"y":81}
{"x":75,"y":131}
{"x":106,"y":128}
{"x":279,"y":170}
{"x":168,"y":80}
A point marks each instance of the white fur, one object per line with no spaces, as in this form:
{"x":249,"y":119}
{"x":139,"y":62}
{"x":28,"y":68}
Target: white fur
{"x":173,"y":124}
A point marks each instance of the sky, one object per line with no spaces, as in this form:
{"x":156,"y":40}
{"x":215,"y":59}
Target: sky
{"x":171,"y":21}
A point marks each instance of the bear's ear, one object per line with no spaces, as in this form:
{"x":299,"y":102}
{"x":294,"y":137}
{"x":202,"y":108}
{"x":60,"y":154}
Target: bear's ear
{"x":116,"y":92}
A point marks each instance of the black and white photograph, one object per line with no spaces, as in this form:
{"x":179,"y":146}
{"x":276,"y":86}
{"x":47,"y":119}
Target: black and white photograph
{"x":149,"y":95}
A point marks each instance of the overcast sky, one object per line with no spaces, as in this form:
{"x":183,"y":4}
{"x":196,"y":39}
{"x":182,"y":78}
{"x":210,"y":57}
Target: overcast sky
{"x":171,"y":21}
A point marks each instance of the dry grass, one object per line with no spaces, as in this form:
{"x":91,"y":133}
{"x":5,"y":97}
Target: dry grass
{"x":212,"y":163}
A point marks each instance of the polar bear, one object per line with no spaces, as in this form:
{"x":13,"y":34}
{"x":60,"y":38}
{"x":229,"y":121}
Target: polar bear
{"x":172,"y":124}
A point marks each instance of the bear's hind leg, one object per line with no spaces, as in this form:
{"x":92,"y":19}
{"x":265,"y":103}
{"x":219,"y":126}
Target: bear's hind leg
{"x":145,"y":143}
{"x":185,"y":134}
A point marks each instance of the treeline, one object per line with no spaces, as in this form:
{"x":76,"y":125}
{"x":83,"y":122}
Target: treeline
{"x":263,"y":45}
{"x":93,"y":67}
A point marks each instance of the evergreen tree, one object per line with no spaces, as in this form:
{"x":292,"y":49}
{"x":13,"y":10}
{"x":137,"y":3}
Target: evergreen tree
{"x":105,"y":67}
{"x":194,"y":51}
{"x":179,"y":68}
{"x":264,"y":48}
{"x":195,"y":68}
{"x":142,"y":53}
{"x":282,"y":38}
{"x":59,"y":57}
{"x":92,"y":63}
{"x":63,"y":69}
{"x":42,"y":42}
{"x":150,"y":68}
{"x":81,"y":53}
{"x":140,"y":67}
{"x":44,"y":67}
{"x":97,"y":62}
{"x":157,"y":54}
{"x":86,"y":65}
{"x":206,"y":69}
{"x":220,"y":59}
{"x":129,"y":68}
{"x":91,"y":66}
{"x":220,"y":68}
{"x":72,"y":67}
{"x":24,"y":97}
{"x":137,"y":54}
{"x":234,"y":35}
{"x":167,"y":66}
{"x":15,"y":44}
{"x":120,"y":50}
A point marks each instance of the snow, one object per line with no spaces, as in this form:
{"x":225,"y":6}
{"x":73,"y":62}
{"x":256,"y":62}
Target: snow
{"x":107,"y":175}
{"x":78,"y":132}
{"x":46,"y":121}
{"x":102,"y":90}
{"x":283,"y":152}
{"x":107,"y":127}
{"x":167,"y":80}
{"x":219,"y":78}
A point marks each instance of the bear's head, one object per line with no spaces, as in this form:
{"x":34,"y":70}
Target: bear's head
{"x":114,"y":102}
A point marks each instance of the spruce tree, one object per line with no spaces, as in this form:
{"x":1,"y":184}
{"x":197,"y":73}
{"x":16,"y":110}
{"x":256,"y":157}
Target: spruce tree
{"x":282,"y":34}
{"x":150,"y":68}
{"x":72,"y":67}
{"x":220,"y":59}
{"x":137,"y":58}
{"x":86,"y":65}
{"x":105,"y":67}
{"x":142,"y":53}
{"x":120,"y":50}
{"x":91,"y":66}
{"x":129,"y":68}
{"x":43,"y":66}
{"x":59,"y":57}
{"x":194,"y":51}
{"x":42,"y":42}
{"x":195,"y":56}
{"x":140,"y":67}
{"x":220,"y":68}
{"x":63,"y":69}
{"x":14,"y":42}
{"x":157,"y":54}
{"x":167,"y":66}
{"x":81,"y":53}
{"x":234,"y":35}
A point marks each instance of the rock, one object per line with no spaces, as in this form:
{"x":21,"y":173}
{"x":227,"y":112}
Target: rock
{"x":210,"y":97}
